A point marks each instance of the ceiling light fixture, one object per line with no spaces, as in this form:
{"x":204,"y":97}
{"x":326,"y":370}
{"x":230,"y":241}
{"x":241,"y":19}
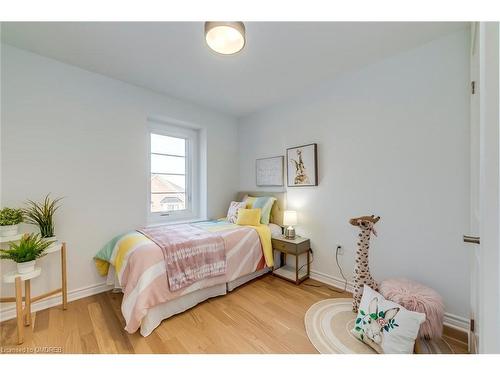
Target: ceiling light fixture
{"x":226,"y":38}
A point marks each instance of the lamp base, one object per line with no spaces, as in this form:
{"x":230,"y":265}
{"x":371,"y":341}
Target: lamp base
{"x":290,"y":233}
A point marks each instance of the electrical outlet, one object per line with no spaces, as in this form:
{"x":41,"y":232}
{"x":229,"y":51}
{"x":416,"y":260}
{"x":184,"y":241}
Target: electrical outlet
{"x":340,"y":249}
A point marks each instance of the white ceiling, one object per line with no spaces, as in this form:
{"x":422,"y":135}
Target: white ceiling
{"x":280,"y":59}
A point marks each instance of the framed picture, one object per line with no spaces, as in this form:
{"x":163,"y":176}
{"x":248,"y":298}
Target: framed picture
{"x":269,"y":171}
{"x":302,"y":165}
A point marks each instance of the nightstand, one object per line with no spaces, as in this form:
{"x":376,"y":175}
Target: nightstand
{"x":295,"y":247}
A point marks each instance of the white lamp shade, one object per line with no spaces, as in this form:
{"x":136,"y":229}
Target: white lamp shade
{"x":290,"y":218}
{"x":225,"y":37}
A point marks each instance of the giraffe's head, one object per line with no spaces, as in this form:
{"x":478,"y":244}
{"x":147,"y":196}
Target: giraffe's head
{"x":364,"y":222}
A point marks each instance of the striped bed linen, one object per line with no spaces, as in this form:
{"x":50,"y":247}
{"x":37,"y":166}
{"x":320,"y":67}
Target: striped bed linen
{"x":141,"y":272}
{"x":191,"y":254}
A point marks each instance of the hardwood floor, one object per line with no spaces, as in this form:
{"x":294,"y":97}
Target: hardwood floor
{"x":263,"y":316}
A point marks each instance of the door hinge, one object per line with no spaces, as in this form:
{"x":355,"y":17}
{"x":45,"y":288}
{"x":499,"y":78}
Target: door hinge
{"x":473,"y":87}
{"x":472,"y":239}
{"x":472,"y":325}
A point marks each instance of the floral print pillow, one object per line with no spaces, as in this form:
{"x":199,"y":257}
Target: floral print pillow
{"x":232,"y":212}
{"x":386,"y":326}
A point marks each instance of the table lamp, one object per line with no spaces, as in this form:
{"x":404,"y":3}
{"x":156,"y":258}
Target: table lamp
{"x":290,"y":219}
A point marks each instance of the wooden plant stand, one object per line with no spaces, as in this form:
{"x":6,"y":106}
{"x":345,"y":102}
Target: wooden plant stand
{"x":23,"y":314}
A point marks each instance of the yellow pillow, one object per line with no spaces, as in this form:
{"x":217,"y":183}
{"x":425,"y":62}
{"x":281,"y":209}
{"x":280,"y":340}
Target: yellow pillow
{"x":248,"y":216}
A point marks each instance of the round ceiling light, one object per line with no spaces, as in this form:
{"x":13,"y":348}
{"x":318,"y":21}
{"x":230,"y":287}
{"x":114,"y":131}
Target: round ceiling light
{"x":225,"y":37}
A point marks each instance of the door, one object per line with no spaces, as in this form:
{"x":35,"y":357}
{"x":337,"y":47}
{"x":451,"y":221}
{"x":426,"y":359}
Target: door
{"x":474,"y":248}
{"x":489,"y":189}
{"x":485,"y":189}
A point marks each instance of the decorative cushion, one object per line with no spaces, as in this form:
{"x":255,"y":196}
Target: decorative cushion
{"x":386,"y":326}
{"x":249,"y":216}
{"x":232,"y":212}
{"x":420,"y":298}
{"x":264,"y":203}
{"x":276,"y":230}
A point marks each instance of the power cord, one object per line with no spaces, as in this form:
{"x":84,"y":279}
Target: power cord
{"x":308,"y":263}
{"x":340,"y":269}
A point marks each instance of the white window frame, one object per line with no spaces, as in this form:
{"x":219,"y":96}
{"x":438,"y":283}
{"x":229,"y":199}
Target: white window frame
{"x":192,"y":138}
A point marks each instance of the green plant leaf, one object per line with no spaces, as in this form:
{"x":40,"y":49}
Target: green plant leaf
{"x":358,"y":320}
{"x":357,"y":328}
{"x":29,"y":247}
{"x":373,"y":316}
{"x":11,"y":216}
{"x":381,"y":314}
{"x":362,"y":312}
{"x":42,"y":214}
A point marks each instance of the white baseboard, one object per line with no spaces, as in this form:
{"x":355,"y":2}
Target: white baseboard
{"x":457,"y":322}
{"x":450,"y":320}
{"x":453,"y":321}
{"x":334,"y":281}
{"x":10,"y":311}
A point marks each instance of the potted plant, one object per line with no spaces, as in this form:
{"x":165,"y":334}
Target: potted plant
{"x":26,"y":252}
{"x":9,"y":220}
{"x":42,"y":214}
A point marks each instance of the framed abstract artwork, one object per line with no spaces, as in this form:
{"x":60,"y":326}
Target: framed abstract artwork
{"x":269,"y":171}
{"x":302,"y":165}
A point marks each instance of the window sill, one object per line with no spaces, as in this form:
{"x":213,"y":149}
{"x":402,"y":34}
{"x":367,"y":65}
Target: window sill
{"x":173,"y":222}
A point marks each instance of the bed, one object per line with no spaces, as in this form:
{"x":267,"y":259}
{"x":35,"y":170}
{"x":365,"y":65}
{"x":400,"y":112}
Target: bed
{"x":135,"y":265}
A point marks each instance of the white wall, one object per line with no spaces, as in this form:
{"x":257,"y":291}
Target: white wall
{"x":393,"y":140}
{"x":81,"y":135}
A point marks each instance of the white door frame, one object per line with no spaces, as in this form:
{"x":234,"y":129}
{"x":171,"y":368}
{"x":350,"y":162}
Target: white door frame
{"x":489,"y":188}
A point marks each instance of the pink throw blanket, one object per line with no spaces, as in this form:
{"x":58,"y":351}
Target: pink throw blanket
{"x":190,"y":254}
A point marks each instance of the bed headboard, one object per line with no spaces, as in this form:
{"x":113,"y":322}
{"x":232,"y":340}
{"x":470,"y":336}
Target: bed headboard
{"x":278,"y":207}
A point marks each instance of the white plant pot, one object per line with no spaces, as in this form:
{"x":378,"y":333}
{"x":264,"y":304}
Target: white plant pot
{"x":52,"y":247}
{"x":26,"y":267}
{"x":9,"y":230}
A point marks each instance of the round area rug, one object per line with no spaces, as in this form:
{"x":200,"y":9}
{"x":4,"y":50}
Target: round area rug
{"x":329,"y":324}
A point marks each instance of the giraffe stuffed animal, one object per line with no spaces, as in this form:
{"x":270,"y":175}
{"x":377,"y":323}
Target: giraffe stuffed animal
{"x":362,"y":274}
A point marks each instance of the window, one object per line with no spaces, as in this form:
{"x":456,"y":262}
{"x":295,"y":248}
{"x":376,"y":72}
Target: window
{"x":173,"y":182}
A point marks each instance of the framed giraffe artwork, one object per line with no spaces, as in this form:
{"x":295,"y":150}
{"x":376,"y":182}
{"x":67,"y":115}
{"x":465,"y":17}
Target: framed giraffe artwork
{"x":302,"y":165}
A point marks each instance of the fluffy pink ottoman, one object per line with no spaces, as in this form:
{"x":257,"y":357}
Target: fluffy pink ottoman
{"x":417,"y":297}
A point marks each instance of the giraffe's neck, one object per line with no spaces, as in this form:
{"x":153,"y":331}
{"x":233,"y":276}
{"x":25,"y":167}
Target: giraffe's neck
{"x":364,"y":246}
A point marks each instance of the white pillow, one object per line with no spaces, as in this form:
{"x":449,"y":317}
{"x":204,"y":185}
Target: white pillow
{"x":386,"y":326}
{"x":232,"y":212}
{"x":276,"y":230}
